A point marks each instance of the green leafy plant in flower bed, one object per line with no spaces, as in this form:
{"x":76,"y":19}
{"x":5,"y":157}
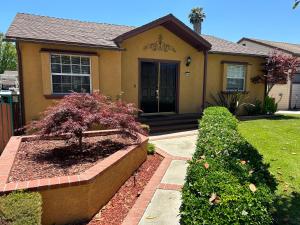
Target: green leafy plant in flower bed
{"x":226,"y":182}
{"x":20,"y":208}
{"x":150,"y":149}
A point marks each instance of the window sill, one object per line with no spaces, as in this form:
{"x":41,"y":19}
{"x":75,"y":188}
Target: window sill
{"x":55,"y":96}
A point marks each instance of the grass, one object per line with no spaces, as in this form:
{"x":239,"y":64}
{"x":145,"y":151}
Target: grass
{"x":278,"y":140}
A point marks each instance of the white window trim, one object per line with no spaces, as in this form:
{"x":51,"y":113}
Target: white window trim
{"x":228,"y":77}
{"x":70,"y":74}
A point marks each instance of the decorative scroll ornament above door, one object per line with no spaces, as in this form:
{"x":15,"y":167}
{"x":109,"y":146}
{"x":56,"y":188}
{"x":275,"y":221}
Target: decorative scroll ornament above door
{"x":160,"y":45}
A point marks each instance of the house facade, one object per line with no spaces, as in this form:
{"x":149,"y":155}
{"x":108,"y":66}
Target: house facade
{"x":163,"y":67}
{"x":287,"y":95}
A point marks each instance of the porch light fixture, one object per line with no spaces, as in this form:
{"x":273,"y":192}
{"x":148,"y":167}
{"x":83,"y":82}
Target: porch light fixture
{"x":188,"y":61}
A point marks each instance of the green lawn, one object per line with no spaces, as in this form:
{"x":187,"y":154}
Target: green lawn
{"x":278,"y":140}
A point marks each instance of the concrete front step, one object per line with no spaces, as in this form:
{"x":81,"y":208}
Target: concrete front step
{"x":176,"y":122}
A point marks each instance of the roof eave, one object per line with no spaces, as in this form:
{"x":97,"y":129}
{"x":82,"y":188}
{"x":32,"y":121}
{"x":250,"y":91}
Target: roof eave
{"x":163,"y":21}
{"x":234,"y":53}
{"x":44,"y":41}
{"x":268,"y":45}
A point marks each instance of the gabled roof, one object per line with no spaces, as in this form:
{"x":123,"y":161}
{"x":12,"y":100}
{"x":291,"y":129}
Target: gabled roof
{"x":49,"y":29}
{"x":174,"y":25}
{"x":44,"y":29}
{"x":283,"y":46}
{"x":227,"y":47}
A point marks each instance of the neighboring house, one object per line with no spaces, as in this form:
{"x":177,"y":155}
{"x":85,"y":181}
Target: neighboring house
{"x":288,"y":95}
{"x":163,"y":67}
{"x":9,"y":81}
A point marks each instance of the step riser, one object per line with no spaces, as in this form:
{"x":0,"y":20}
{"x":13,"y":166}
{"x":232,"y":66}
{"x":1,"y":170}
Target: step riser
{"x":171,"y":123}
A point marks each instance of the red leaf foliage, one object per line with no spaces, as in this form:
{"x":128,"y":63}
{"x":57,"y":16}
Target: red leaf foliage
{"x":79,"y":112}
{"x":278,"y":69}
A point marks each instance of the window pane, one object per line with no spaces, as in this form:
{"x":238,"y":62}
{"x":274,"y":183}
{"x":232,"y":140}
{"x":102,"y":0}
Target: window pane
{"x":236,"y":71}
{"x":66,"y":79}
{"x":76,"y":88}
{"x":55,"y":68}
{"x":85,"y":61}
{"x":56,"y":79}
{"x":76,"y":60}
{"x":85,"y":69}
{"x":65,"y":59}
{"x":66,"y":88}
{"x":66,"y":68}
{"x":85,"y":88}
{"x":76,"y":80}
{"x":56,"y":88}
{"x":55,"y":59}
{"x":75,"y":69}
{"x":85,"y":80}
{"x":71,"y":66}
{"x":235,"y":84}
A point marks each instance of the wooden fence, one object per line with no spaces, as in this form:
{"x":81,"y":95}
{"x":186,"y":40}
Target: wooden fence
{"x":6,"y":124}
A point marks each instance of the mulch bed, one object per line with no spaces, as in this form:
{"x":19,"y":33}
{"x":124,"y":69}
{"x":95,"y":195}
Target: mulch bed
{"x":118,"y":207}
{"x":38,"y":159}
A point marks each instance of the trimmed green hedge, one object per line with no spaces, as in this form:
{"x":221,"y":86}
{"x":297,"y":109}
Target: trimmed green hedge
{"x":224,"y":167}
{"x":20,"y":208}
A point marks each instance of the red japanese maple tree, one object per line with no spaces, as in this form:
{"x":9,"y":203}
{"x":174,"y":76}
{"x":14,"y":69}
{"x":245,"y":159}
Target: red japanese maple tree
{"x":278,"y":69}
{"x":77,"y":113}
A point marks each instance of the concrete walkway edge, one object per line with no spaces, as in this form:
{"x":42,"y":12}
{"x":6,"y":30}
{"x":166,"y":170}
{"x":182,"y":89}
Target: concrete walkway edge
{"x":136,"y":212}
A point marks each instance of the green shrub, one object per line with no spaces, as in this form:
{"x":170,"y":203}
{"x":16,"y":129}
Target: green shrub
{"x":232,"y":100}
{"x":20,"y":208}
{"x":255,"y":108}
{"x":270,"y":106}
{"x":223,"y":166}
{"x":150,"y":149}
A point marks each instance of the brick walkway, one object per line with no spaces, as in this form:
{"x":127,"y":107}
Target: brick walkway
{"x":160,"y":201}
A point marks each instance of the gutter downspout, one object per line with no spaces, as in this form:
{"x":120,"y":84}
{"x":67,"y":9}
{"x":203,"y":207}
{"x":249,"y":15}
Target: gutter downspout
{"x":205,"y":53}
{"x":21,"y":85}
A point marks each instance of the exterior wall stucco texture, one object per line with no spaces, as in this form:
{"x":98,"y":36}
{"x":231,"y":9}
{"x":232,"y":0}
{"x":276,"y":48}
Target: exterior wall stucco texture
{"x":115,"y":72}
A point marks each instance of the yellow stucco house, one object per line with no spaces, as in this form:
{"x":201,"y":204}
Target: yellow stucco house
{"x":164,"y":67}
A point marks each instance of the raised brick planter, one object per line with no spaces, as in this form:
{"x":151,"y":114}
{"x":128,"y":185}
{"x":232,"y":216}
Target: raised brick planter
{"x":72,"y":198}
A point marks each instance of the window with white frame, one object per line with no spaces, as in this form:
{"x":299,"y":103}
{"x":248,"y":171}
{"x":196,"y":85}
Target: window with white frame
{"x":70,"y":73}
{"x":236,"y":76}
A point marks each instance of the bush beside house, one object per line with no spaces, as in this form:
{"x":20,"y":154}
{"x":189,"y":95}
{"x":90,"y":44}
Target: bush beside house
{"x":21,"y":208}
{"x":227,"y":182}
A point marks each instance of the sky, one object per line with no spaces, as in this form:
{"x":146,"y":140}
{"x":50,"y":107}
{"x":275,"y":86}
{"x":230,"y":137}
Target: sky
{"x":229,"y":19}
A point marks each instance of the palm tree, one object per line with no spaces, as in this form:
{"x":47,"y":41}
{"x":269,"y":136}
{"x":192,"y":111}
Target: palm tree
{"x":297,"y":2}
{"x":196,"y":18}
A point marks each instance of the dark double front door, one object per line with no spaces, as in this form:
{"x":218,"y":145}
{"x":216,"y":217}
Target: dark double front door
{"x":158,"y":87}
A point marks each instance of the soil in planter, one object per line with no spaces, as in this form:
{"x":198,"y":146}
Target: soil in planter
{"x":51,"y":158}
{"x":118,"y":207}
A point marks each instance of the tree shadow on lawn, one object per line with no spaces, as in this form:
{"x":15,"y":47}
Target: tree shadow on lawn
{"x":271,"y":117}
{"x":287,"y":209}
{"x":284,"y":117}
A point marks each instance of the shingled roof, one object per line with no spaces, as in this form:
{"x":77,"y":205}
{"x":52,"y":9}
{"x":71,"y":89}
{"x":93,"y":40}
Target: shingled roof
{"x":287,"y":47}
{"x":50,"y":29}
{"x":227,"y":47}
{"x":30,"y":27}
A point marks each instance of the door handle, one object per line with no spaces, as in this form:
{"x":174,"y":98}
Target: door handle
{"x":157,"y":93}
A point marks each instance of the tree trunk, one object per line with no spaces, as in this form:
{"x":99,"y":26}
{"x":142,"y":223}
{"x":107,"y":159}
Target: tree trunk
{"x":197,"y":27}
{"x":269,"y":88}
{"x":80,"y":142}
